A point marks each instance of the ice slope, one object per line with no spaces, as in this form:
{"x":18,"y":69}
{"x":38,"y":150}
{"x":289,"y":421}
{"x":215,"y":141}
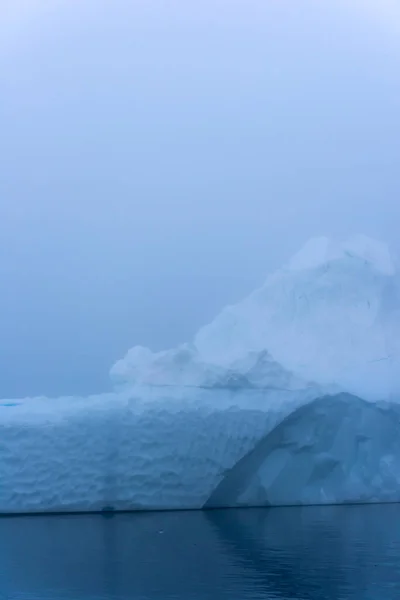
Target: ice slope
{"x":289,"y":397}
{"x":334,"y":449}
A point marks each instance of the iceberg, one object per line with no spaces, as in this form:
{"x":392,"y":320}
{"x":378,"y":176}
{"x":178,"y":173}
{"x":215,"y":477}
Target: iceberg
{"x":290,"y":397}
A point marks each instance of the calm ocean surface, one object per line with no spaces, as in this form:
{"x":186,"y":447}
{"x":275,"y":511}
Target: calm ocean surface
{"x":331,"y":553}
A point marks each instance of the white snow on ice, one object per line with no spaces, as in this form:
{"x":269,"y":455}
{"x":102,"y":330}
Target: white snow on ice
{"x":288,"y":397}
{"x":319,"y":251}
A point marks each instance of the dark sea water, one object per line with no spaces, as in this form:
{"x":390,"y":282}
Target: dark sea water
{"x":331,"y":553}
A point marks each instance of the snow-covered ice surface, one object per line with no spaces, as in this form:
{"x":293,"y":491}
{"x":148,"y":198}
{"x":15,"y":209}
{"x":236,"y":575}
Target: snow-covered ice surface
{"x":289,"y":397}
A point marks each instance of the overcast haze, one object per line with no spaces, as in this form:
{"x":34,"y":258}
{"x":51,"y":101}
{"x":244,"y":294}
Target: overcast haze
{"x":158,"y":159}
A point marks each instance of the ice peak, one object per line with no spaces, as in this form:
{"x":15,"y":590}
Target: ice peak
{"x":337,"y":327}
{"x":321,"y":250}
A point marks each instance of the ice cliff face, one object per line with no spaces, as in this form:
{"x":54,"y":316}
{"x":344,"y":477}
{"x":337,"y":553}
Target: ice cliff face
{"x":291,"y":396}
{"x":330,"y":317}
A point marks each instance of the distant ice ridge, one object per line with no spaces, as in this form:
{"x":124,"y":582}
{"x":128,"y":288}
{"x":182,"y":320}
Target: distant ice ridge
{"x":330,"y":317}
{"x":288,"y":397}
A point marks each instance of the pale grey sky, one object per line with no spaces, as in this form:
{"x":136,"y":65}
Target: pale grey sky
{"x":159,"y":158}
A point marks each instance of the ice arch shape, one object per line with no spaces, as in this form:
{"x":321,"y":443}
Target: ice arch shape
{"x":336,"y":449}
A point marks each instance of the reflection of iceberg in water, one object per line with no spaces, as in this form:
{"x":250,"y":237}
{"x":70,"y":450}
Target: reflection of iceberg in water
{"x":312,"y":553}
{"x":165,"y":556}
{"x":309,"y":553}
{"x":288,"y":397}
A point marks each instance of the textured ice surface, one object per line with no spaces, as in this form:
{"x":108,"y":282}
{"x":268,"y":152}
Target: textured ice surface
{"x":289,"y":397}
{"x":119,"y":451}
{"x":197,"y":449}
